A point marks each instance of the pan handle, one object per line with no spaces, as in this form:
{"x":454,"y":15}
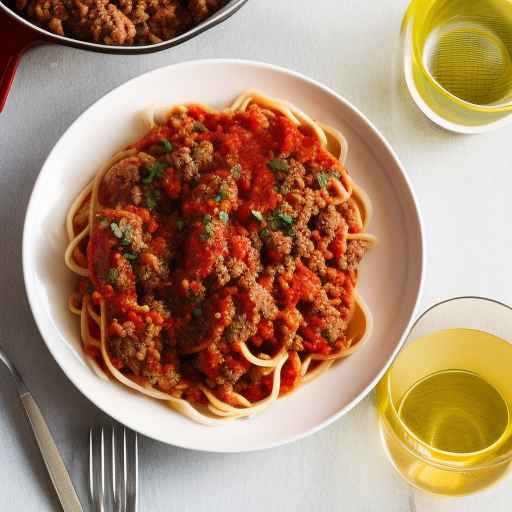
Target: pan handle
{"x":16,"y":39}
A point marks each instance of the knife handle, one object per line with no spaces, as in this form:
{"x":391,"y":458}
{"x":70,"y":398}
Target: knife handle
{"x":54,"y":463}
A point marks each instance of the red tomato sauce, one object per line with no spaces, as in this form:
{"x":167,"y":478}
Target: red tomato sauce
{"x":219,"y":231}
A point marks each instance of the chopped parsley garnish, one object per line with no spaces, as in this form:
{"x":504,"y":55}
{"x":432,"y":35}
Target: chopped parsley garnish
{"x":116,"y":230}
{"x":323,"y":177}
{"x":274,"y":223}
{"x":236,"y":171}
{"x":257,"y":215}
{"x":155,"y":171}
{"x":152,"y":198}
{"x":180,"y":224}
{"x":285,"y":218}
{"x":280,"y":221}
{"x":199,"y":127}
{"x":197,"y":312}
{"x":328,"y":335}
{"x":207,"y":227}
{"x":125,"y":234}
{"x":130,"y":256}
{"x":278,"y":164}
{"x":224,"y":217}
{"x":264,"y":233}
{"x":224,"y":191}
{"x":112,"y":275}
{"x":166,"y":145}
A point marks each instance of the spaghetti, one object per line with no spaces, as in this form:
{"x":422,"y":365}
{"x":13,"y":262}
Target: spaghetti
{"x":217,"y":258}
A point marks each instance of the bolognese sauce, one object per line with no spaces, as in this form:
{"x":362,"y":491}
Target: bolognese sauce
{"x":221,"y":236}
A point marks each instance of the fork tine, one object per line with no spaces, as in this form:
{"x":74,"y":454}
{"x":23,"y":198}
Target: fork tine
{"x":118,"y":470}
{"x":132,"y":463}
{"x":123,"y":470}
{"x":91,"y":465}
{"x":97,"y":468}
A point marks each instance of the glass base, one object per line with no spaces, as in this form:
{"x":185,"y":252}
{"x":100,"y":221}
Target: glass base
{"x":436,"y":480}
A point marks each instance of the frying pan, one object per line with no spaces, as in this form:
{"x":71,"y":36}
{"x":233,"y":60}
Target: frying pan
{"x":18,"y":34}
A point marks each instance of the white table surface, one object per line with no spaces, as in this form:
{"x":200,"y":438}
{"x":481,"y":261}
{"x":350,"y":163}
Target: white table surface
{"x":464,"y":188}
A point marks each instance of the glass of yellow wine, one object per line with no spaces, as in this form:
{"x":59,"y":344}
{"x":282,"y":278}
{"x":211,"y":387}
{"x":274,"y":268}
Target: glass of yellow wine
{"x":445,"y":405}
{"x":457,"y":58}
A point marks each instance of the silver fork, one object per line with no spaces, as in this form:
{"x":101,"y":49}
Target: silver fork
{"x":120,"y":491}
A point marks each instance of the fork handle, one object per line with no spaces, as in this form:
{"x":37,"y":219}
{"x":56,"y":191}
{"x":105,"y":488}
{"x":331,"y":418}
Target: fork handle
{"x":54,"y":463}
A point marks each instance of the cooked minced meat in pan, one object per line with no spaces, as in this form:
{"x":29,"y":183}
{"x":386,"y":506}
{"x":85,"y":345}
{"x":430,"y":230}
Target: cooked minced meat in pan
{"x":118,"y":22}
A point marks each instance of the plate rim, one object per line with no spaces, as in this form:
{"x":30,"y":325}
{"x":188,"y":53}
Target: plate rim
{"x":38,"y":313}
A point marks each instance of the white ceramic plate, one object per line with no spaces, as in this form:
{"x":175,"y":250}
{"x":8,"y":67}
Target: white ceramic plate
{"x":391,"y":275}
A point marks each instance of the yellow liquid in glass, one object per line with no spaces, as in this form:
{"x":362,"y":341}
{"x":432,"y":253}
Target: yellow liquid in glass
{"x":472,"y":63}
{"x":446,"y":411}
{"x":465,"y":46}
{"x":455,"y":411}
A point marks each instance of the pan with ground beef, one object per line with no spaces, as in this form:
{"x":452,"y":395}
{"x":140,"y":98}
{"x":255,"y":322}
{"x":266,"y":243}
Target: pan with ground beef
{"x":118,"y":22}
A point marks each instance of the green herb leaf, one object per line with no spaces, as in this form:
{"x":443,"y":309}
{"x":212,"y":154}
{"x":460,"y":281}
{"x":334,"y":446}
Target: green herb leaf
{"x":224,"y":217}
{"x":278,"y":164}
{"x":236,"y":171}
{"x":155,"y":171}
{"x":124,"y":234}
{"x":264,"y":233}
{"x":166,"y":145}
{"x":280,"y":221}
{"x":152,"y":198}
{"x":257,"y":215}
{"x":199,"y":127}
{"x":285,"y":218}
{"x":207,"y":227}
{"x":224,"y":191}
{"x":127,"y":235}
{"x":130,"y":256}
{"x":116,"y":230}
{"x":180,"y":224}
{"x":323,"y":179}
{"x":112,"y":275}
{"x":197,"y":312}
